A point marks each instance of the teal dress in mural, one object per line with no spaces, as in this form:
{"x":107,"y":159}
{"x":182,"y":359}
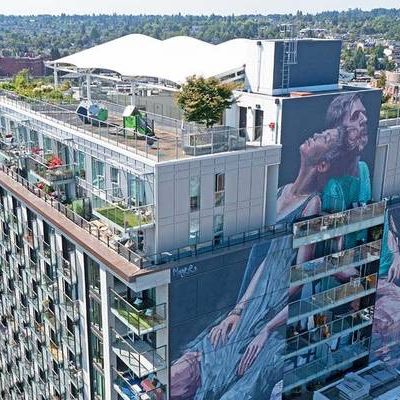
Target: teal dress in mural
{"x":386,"y":254}
{"x":343,"y":192}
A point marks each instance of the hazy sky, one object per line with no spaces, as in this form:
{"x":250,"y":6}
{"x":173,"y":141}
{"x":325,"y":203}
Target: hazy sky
{"x":185,"y":6}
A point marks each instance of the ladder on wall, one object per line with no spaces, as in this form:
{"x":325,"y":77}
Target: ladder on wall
{"x":289,"y":55}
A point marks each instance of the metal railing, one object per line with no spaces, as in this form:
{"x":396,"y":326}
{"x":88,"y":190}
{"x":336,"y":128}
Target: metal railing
{"x":174,"y":138}
{"x":338,"y":220}
{"x":322,"y":366}
{"x":71,"y":307}
{"x":329,"y":330}
{"x":123,"y":382}
{"x":142,"y":319}
{"x":142,"y":260}
{"x":331,"y":263}
{"x":74,"y":217}
{"x":356,"y":288}
{"x":142,"y":362}
{"x":51,"y":174}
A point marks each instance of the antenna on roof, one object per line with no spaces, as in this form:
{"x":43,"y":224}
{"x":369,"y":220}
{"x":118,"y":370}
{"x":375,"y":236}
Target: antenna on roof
{"x":289,"y":56}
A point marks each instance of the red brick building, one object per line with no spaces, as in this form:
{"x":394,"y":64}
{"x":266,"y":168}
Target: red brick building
{"x":10,"y":66}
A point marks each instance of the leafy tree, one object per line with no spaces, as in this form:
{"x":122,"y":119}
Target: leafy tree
{"x":381,"y":82}
{"x":203,"y":100}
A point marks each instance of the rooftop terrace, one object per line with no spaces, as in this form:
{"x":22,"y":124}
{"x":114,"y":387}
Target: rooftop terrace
{"x":173,"y":139}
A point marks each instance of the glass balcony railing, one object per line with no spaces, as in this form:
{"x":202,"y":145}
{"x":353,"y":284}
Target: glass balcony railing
{"x":129,"y":387}
{"x":33,"y":269}
{"x":67,"y":269}
{"x":356,"y":288}
{"x":29,"y":238}
{"x":329,"y":331}
{"x":333,"y":361}
{"x":140,"y":318}
{"x":40,"y":331}
{"x":71,"y":307}
{"x":139,"y":355}
{"x":50,"y":173}
{"x":338,"y":220}
{"x":50,"y":285}
{"x":75,"y":376}
{"x":324,"y":266}
{"x":46,"y":251}
{"x":55,"y":352}
{"x":50,"y":317}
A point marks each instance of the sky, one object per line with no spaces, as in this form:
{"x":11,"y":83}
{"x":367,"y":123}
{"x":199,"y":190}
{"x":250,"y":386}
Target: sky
{"x":224,"y":7}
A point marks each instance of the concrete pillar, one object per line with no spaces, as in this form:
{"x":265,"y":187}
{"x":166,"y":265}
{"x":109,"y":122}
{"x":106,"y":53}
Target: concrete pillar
{"x":83,"y":306}
{"x":55,"y":74}
{"x":88,"y":88}
{"x":107,"y":321}
{"x":250,"y":128}
{"x":270,"y":193}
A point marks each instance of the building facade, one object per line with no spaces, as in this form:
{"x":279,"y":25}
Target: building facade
{"x":239,"y":262}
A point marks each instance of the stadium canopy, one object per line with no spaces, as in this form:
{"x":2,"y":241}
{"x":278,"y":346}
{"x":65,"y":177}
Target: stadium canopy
{"x":137,"y":57}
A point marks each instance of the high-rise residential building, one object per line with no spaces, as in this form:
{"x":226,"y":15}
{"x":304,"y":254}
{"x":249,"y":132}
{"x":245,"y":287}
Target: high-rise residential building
{"x":146,"y":257}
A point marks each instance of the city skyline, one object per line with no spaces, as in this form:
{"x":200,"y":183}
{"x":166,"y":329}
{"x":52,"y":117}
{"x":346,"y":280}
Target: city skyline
{"x":223,"y":7}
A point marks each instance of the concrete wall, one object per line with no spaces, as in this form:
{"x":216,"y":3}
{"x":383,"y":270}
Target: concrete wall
{"x":387,"y":162}
{"x":245,"y":207}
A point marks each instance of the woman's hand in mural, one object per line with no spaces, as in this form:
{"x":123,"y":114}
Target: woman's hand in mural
{"x":252,"y":351}
{"x":221,"y":332}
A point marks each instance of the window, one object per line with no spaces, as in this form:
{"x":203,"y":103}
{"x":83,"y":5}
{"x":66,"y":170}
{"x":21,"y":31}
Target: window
{"x":94,"y":275}
{"x":80,"y":160}
{"x":194,"y":193}
{"x":98,"y":384}
{"x":218,"y":223}
{"x":95,"y":314}
{"x":97,"y":350}
{"x":218,"y":229}
{"x":97,"y":173}
{"x":47,"y":145}
{"x":194,"y":231}
{"x":115,"y":184}
{"x":219,"y":189}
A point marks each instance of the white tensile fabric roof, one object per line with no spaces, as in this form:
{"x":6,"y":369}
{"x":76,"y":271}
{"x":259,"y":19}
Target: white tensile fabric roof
{"x":172,"y":59}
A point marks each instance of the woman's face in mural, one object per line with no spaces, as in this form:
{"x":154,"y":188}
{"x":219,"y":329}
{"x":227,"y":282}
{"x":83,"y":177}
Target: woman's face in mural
{"x":355,"y":124}
{"x":316,"y":147}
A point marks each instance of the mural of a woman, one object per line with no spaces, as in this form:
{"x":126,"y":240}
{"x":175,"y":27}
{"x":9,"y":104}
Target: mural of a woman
{"x":386,"y":326}
{"x":231,"y":359}
{"x":238,"y":355}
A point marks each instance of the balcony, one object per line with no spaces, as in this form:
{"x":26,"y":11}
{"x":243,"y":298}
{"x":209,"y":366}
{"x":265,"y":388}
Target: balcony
{"x":40,"y":331}
{"x":55,"y":352}
{"x":70,"y":307}
{"x":340,"y":359}
{"x":30,"y":239}
{"x":67,"y":269}
{"x":50,"y":285}
{"x":333,"y":263}
{"x":50,"y":172}
{"x":338,"y":224}
{"x":320,"y":302}
{"x":33,"y":270}
{"x":75,"y":375}
{"x":139,"y":355}
{"x":46,"y":252}
{"x":125,"y":218}
{"x":139,"y":318}
{"x":130,"y":387}
{"x":329,"y":331}
{"x":69,"y":339}
{"x":50,"y":317}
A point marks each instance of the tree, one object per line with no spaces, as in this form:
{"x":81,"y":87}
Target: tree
{"x":381,"y":82}
{"x":203,"y":100}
